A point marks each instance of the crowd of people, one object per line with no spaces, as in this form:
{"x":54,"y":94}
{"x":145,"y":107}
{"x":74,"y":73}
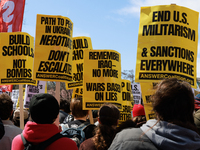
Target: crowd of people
{"x":176,"y":124}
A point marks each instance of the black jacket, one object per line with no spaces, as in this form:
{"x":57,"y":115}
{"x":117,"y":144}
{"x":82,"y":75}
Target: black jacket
{"x":1,"y":129}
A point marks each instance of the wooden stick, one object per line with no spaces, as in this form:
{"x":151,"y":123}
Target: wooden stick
{"x":21,"y":106}
{"x":91,"y":117}
{"x":57,"y":96}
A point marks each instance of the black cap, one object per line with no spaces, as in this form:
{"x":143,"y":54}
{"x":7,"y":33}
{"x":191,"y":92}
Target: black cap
{"x":44,"y":108}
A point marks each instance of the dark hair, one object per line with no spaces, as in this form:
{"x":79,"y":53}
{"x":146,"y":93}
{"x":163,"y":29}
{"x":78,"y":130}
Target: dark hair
{"x":105,"y":132}
{"x":126,"y":124}
{"x":139,"y":121}
{"x":65,"y":105}
{"x":76,"y":108}
{"x":173,"y":102}
{"x":6,"y":106}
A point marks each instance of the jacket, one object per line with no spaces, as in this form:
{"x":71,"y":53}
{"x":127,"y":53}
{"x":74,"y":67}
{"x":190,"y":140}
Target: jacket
{"x":153,"y":135}
{"x":37,"y":133}
{"x":2,"y":131}
{"x":10,"y":132}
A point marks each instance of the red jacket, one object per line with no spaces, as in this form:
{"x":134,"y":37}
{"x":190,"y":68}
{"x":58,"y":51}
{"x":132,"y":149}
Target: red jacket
{"x":37,"y":133}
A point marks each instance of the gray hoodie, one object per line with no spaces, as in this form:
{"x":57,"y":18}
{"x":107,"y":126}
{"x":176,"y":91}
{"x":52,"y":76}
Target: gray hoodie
{"x":169,"y":136}
{"x":152,"y":136}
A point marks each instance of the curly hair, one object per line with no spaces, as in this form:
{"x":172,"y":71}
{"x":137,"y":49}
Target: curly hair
{"x":6,"y":106}
{"x":105,"y":132}
{"x":104,"y":137}
{"x":173,"y":102}
{"x":139,"y":121}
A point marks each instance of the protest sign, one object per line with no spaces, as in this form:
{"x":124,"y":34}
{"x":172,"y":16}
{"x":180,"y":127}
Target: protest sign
{"x":14,"y":97}
{"x":79,"y":44}
{"x":53,"y":49}
{"x":147,"y":90}
{"x":32,"y":90}
{"x":22,"y":98}
{"x":127,"y":106}
{"x":102,"y":78}
{"x":77,"y":92}
{"x":11,"y":15}
{"x":136,"y":91}
{"x":16,"y":58}
{"x":167,"y":44}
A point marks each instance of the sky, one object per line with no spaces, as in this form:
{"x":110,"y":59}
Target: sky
{"x":111,"y":24}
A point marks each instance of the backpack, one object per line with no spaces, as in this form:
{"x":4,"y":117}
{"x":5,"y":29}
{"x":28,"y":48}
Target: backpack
{"x":41,"y":146}
{"x":75,"y":134}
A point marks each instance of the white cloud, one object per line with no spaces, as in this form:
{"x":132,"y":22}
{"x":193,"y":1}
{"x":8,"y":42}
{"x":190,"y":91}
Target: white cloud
{"x":78,"y":32}
{"x":134,"y":8}
{"x":115,"y":19}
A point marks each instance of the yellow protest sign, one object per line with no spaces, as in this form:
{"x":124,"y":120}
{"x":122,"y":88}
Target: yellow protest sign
{"x":167,"y":44}
{"x":53,"y":48}
{"x":77,"y":92}
{"x":16,"y":58}
{"x":102,"y":78}
{"x":127,"y":106}
{"x":79,"y":44}
{"x":17,"y":105}
{"x":147,"y":90}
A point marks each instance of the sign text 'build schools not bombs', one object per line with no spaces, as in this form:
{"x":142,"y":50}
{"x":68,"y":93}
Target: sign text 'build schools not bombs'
{"x":127,"y":106}
{"x":79,"y":44}
{"x":16,"y":58}
{"x":53,"y":47}
{"x":167,"y":44}
{"x":102,"y":78}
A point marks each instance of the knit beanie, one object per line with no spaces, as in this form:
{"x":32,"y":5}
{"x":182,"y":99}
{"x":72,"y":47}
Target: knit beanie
{"x":44,"y":108}
{"x":138,"y":110}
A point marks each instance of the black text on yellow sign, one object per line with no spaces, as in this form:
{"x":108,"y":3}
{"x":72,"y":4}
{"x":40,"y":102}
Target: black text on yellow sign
{"x":125,"y":113}
{"x":53,"y":48}
{"x":167,"y":44}
{"x":16,"y":58}
{"x":79,"y":44}
{"x":102,"y":78}
{"x":148,"y":89}
{"x":77,"y":92}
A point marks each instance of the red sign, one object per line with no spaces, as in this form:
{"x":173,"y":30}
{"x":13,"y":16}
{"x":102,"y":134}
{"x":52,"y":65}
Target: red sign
{"x":6,"y":88}
{"x":11,"y":15}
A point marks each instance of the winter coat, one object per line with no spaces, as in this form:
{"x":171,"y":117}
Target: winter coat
{"x":37,"y":133}
{"x":153,"y":135}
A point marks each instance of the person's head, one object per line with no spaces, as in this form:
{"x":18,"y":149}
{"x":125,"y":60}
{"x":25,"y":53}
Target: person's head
{"x":109,"y":114}
{"x":173,"y":101}
{"x":106,"y":130}
{"x":139,"y":117}
{"x":6,"y":106}
{"x":76,"y":108}
{"x":44,"y":108}
{"x":65,"y":105}
{"x":16,"y":116}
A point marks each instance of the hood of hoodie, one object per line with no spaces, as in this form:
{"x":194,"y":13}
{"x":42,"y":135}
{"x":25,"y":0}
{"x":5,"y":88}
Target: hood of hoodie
{"x":168,"y":136}
{"x":37,"y":133}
